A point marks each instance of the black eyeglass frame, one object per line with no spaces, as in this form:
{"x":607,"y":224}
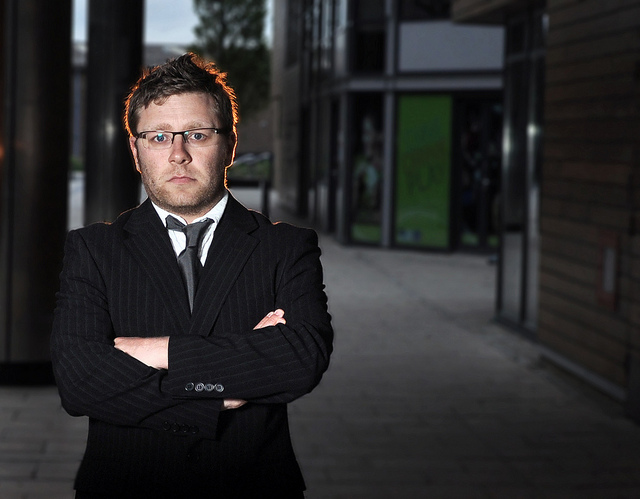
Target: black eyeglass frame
{"x":217,"y":131}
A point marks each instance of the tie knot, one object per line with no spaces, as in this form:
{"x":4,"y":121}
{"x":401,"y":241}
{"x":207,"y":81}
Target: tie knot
{"x":193,"y":232}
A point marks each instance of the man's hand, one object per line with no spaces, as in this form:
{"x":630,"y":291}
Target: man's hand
{"x":153,"y":352}
{"x":271,"y":319}
{"x":232,"y":404}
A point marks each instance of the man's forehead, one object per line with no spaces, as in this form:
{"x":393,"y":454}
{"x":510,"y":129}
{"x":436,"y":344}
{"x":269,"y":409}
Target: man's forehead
{"x":191,"y":110}
{"x":198,"y":99}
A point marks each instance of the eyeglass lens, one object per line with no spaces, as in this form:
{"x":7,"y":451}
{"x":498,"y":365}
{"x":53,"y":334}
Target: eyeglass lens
{"x":160,"y":139}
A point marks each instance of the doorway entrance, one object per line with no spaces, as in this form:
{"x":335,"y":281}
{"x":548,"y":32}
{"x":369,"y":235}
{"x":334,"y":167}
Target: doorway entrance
{"x":479,"y":159}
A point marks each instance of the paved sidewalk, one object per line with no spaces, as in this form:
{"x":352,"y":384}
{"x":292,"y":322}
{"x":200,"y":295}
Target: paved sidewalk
{"x":426,"y":398}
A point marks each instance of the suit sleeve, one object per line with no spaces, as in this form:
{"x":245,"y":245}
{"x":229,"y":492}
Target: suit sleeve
{"x":271,"y":365}
{"x":93,"y":377}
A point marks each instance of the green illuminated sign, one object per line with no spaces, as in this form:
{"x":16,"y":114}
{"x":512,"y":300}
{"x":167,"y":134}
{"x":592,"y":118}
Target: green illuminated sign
{"x":423,"y":171}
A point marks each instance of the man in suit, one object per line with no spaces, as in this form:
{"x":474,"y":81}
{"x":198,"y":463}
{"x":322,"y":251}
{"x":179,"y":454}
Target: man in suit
{"x":185,"y":369}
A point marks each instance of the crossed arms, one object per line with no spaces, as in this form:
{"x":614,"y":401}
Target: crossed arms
{"x":154,"y":352}
{"x":105,"y":292}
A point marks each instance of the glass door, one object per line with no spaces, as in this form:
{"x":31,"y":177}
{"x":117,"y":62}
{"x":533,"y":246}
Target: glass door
{"x":478,"y":173}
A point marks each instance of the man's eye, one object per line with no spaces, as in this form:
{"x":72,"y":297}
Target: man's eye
{"x":158,"y":137}
{"x":197,"y":136}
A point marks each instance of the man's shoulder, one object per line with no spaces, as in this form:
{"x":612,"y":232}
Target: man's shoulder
{"x":259,"y":225}
{"x":278,"y":227}
{"x":284,"y":234}
{"x":106,"y":229}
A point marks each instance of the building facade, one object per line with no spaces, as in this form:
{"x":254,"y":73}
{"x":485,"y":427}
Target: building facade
{"x":572,"y":126}
{"x":507,"y":124}
{"x":388,"y":119}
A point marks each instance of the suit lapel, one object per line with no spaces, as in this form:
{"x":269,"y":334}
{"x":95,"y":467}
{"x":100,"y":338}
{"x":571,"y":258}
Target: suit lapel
{"x":230,"y":249}
{"x":150,"y":245}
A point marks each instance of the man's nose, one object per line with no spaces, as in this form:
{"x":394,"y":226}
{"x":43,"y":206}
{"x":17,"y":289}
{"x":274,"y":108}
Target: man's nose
{"x":179,"y":153}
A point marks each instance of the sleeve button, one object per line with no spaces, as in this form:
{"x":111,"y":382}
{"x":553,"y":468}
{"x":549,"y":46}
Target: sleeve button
{"x":209,"y":387}
{"x":199,"y":387}
{"x":219,"y":388}
{"x":189,"y":387}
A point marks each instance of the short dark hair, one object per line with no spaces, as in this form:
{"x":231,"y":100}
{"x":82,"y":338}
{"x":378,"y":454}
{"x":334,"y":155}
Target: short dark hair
{"x":185,"y":74}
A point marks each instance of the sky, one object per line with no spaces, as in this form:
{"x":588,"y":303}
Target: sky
{"x":166,"y":21}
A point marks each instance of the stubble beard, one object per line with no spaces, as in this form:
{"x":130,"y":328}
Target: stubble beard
{"x":190,"y":203}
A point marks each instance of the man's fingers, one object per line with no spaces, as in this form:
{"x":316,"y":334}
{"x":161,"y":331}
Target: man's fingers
{"x":153,"y":352}
{"x":232,"y":404}
{"x":271,"y":319}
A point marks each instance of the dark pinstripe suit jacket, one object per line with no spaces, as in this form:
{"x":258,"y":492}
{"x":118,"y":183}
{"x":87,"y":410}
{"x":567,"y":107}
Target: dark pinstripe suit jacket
{"x":163,"y":431}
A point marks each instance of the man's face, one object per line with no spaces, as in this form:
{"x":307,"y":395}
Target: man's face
{"x":183,"y":179}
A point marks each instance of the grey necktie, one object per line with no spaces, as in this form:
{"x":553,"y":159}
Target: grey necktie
{"x":188,"y":260}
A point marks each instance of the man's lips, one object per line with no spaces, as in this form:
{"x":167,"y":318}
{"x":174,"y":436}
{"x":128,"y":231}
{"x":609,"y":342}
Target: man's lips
{"x":181,"y":180}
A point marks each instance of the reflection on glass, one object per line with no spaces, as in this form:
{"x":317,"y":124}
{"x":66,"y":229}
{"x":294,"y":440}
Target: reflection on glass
{"x":535,"y":171}
{"x":480,"y":164}
{"x":533,"y":257}
{"x":367,"y":169}
{"x":522,"y":152}
{"x":513,"y":192}
{"x":511,"y":275}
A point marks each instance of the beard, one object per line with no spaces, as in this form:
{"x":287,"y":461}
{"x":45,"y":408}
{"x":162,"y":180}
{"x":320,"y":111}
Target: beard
{"x":190,"y":200}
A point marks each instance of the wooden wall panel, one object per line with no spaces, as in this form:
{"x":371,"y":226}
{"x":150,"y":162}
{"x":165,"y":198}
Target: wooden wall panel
{"x":591,"y":182}
{"x":590,"y":179}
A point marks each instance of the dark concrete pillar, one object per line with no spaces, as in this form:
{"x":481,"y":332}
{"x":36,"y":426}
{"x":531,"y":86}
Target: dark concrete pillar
{"x":34,"y":157}
{"x":114,"y":63}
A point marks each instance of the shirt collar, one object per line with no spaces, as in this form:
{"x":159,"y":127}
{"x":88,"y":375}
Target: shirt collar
{"x":214,"y":213}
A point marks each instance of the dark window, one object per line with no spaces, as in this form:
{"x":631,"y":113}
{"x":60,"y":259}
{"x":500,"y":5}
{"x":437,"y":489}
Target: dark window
{"x":366,"y":170}
{"x":369,"y":10}
{"x":479,"y":171}
{"x":517,"y":37}
{"x":419,"y":10}
{"x":369,"y":48}
{"x":369,"y":36}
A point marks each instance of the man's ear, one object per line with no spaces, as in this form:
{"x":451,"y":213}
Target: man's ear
{"x":134,"y":152}
{"x":231,"y":148}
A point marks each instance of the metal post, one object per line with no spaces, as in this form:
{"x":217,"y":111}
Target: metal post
{"x":34,"y":159}
{"x":114,"y":63}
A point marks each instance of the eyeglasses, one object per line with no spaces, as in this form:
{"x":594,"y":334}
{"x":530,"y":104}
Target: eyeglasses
{"x":196,"y":137}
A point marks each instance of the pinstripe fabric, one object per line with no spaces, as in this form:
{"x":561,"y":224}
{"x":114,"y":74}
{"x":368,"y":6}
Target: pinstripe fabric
{"x":145,"y":427}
